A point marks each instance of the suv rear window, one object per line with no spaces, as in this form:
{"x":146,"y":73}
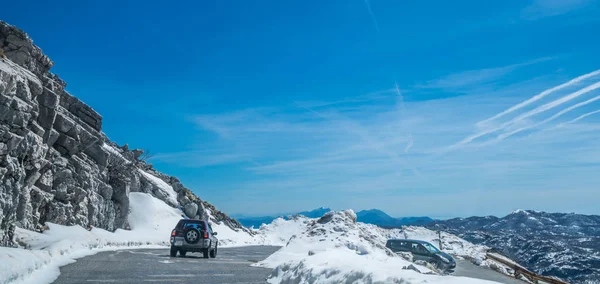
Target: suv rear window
{"x":399,"y":245}
{"x":184,"y":224}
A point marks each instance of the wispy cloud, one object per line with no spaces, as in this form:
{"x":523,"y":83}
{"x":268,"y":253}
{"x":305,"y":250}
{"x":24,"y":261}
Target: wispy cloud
{"x":470,"y":79}
{"x":548,"y":8}
{"x":381,"y":147}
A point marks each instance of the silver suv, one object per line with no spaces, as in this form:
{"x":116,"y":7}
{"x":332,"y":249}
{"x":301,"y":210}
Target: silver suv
{"x":193,"y":236}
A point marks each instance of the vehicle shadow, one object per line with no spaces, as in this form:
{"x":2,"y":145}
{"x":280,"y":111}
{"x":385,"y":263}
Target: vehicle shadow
{"x":179,"y":256}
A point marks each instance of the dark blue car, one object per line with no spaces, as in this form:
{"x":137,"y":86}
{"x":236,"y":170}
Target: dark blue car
{"x":422,"y":250}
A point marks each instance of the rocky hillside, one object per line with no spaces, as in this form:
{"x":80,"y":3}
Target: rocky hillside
{"x":564,"y":245}
{"x":56,"y":164}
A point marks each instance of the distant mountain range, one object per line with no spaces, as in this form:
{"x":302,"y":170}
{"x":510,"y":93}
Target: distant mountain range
{"x":565,"y":245}
{"x":373,"y":216}
{"x":380,"y":218}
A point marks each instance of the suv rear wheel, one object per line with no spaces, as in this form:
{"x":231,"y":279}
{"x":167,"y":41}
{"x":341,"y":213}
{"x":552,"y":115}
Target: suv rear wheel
{"x":205,"y":253}
{"x":213,"y":253}
{"x":173,"y":251}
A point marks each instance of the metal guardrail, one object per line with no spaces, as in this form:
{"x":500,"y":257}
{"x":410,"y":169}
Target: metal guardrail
{"x":520,"y":270}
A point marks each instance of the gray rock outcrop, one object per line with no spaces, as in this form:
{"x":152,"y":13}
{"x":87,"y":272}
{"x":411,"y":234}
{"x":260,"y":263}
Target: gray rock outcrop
{"x":56,"y":164}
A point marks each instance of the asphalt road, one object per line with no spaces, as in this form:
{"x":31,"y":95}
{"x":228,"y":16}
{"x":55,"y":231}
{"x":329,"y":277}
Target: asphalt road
{"x":468,"y":269}
{"x":232,"y":265}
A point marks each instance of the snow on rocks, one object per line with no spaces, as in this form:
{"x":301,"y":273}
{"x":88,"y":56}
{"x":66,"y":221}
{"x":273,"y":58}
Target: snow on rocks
{"x":115,"y":152}
{"x":337,"y":249}
{"x":165,"y":190}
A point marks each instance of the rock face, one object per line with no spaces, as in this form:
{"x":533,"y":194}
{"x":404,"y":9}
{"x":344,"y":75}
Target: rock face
{"x":56,"y":164}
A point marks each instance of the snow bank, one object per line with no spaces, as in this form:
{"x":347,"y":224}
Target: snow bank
{"x":337,"y":249}
{"x":151,"y":222}
{"x":279,"y":232}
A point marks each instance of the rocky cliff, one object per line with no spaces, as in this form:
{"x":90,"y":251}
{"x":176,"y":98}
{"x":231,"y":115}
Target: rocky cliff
{"x":56,"y":164}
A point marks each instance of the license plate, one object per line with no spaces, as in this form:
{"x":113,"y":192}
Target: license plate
{"x":178,"y":243}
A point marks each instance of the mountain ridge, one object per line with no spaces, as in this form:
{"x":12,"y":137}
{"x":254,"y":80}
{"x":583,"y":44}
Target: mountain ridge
{"x":370,"y":216}
{"x":565,"y":245}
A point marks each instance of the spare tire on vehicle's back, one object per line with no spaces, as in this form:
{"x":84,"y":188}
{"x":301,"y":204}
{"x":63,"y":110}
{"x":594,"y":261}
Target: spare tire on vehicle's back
{"x":192,"y":235}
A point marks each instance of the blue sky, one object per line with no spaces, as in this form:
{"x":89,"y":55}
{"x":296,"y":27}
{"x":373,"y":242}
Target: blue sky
{"x":423,"y":108}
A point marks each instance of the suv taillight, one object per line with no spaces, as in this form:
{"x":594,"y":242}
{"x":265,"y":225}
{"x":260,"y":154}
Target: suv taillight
{"x":173,"y":233}
{"x":205,"y":234}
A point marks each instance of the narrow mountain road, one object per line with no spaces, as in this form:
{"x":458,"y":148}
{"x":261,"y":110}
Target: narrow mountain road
{"x":232,"y":265}
{"x":468,"y":269}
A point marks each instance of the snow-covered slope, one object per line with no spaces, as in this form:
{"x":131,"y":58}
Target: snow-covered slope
{"x":337,"y":249}
{"x":279,"y":232}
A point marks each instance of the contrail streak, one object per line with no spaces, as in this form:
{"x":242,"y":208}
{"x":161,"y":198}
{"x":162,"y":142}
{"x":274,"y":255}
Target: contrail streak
{"x":558,"y":114}
{"x":557,"y":102}
{"x":540,"y":95}
{"x":410,"y":143}
{"x":533,"y":112}
{"x":410,"y":138}
{"x":580,"y":117}
{"x":368,"y":3}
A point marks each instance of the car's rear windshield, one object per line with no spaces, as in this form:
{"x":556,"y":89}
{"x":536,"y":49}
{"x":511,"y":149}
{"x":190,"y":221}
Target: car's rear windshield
{"x":183,"y":224}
